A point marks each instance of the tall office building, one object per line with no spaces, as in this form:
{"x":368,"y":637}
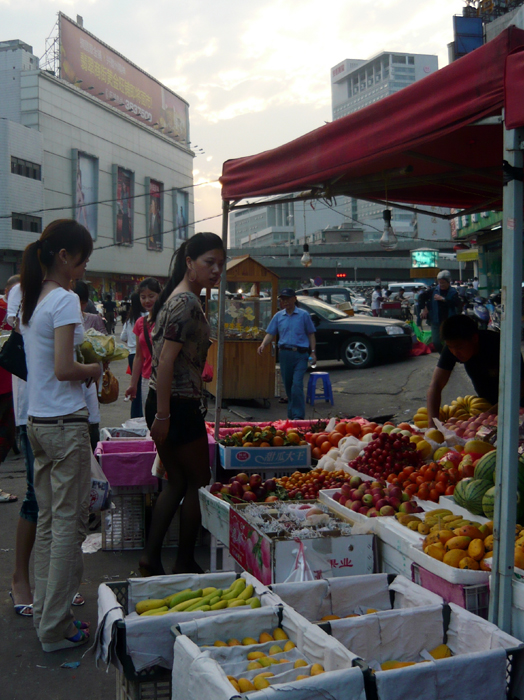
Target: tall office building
{"x":356,"y":84}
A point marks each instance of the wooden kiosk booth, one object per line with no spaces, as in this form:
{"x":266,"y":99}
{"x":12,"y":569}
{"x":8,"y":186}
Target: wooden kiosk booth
{"x":246,"y":375}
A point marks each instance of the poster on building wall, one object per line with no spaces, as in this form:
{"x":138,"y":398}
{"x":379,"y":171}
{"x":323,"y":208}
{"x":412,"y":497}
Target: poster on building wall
{"x":125,"y":206}
{"x":155,"y":214}
{"x":92,"y":66}
{"x":85,"y":181}
{"x":180,"y":216}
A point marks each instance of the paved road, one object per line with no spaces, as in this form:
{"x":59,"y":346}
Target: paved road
{"x":392,"y":389}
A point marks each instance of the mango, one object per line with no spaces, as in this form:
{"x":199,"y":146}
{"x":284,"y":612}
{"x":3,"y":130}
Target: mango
{"x":301,"y":677}
{"x":488,"y":543}
{"x":317,"y":669}
{"x":279,"y":634}
{"x":436,"y":552}
{"x":390,"y":665}
{"x":414,"y":525}
{"x":235,"y":685}
{"x":423,"y":528}
{"x":478,"y":446}
{"x":454,"y":556}
{"x":469,"y":563}
{"x":261,"y":683}
{"x":330,"y":617}
{"x":265,"y":637}
{"x":248,"y":640}
{"x":289,"y":645}
{"x":471,"y":531}
{"x":441,"y":652}
{"x":265,"y":661}
{"x":458,"y":542}
{"x":233,"y":643}
{"x":275,"y":649}
{"x":151,"y":604}
{"x":253,"y":655}
{"x":218,"y":643}
{"x":245,"y":685}
{"x":476,"y":549}
{"x":254,"y":666}
{"x":264,"y":674}
{"x":300,"y":662}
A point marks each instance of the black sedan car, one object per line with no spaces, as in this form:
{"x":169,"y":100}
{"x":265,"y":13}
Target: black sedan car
{"x":356,"y":340}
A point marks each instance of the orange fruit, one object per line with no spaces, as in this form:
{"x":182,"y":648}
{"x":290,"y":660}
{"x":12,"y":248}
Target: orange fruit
{"x":247,"y":444}
{"x":325,"y":447}
{"x":264,"y":444}
{"x":278,"y":441}
{"x":341,"y":428}
{"x":353,"y":429}
{"x":316,"y":453}
{"x":335,"y":437}
{"x":293,"y":437}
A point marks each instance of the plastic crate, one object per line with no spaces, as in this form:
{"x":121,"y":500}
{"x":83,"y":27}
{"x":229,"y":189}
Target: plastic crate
{"x":474,"y":598}
{"x":123,"y":527}
{"x":139,"y":689}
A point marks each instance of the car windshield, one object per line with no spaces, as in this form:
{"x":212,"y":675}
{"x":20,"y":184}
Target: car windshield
{"x":329,"y":313}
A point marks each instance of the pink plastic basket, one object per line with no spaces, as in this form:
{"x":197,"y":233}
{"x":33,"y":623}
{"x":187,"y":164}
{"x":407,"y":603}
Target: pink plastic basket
{"x":127,"y":463}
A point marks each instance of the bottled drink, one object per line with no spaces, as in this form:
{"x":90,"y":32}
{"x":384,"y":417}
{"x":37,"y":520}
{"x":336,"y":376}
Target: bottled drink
{"x":312,"y":362}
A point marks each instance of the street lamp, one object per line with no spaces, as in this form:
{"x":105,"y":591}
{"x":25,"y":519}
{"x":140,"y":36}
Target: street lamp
{"x":388,"y":240}
{"x":306,"y":257}
{"x":290,"y":220}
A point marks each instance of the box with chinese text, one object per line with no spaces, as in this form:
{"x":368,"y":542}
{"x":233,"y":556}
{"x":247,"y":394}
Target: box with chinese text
{"x":273,"y":559}
{"x":264,"y":458}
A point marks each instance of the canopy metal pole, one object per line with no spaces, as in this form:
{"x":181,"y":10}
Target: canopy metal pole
{"x":220,"y":334}
{"x":509,"y":392}
{"x":219,"y":369}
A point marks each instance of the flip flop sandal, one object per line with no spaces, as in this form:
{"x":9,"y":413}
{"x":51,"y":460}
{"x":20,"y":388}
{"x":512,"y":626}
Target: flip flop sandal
{"x":78,"y":600}
{"x":20,"y":608}
{"x":77,"y":640}
{"x":7,"y":497}
{"x":81,"y":625}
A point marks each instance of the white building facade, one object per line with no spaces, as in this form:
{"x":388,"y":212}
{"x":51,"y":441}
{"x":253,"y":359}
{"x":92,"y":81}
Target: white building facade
{"x":66,"y":153}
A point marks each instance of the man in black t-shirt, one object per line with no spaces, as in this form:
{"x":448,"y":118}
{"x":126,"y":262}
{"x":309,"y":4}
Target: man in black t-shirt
{"x":478,"y":351}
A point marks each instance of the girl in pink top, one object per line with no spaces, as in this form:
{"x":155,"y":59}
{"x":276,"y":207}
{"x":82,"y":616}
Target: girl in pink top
{"x":148,"y":289}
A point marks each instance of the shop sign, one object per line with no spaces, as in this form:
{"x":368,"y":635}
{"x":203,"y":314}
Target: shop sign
{"x":466,"y":224}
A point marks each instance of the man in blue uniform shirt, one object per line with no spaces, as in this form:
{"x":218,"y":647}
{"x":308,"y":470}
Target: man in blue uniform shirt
{"x":296,"y":340}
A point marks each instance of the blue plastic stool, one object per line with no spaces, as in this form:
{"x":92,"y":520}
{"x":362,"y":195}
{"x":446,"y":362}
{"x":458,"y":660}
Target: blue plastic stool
{"x":327,"y":391}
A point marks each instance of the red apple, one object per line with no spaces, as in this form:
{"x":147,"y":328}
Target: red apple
{"x":255,"y":480}
{"x":249,"y":496}
{"x":243,"y":478}
{"x":387,"y":510}
{"x":216,"y":487}
{"x":270,"y":485}
{"x":363,"y":510}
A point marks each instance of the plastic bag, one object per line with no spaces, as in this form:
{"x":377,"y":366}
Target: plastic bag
{"x":98,"y":347}
{"x":100,"y":497}
{"x":301,"y":570}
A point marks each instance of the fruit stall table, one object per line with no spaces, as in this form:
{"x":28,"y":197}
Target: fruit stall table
{"x":245,"y":375}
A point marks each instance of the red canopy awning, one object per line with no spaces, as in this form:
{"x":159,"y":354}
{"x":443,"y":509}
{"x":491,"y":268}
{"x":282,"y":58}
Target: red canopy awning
{"x":514,"y":90}
{"x":420,"y":145}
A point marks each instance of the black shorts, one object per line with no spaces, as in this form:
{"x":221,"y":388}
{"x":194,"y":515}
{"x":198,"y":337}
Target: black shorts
{"x":186,"y":424}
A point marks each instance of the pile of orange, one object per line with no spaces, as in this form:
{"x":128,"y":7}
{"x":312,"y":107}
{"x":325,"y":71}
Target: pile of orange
{"x":255,"y":436}
{"x":308,"y":485}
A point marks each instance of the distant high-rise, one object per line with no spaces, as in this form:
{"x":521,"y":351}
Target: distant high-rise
{"x":356,"y":84}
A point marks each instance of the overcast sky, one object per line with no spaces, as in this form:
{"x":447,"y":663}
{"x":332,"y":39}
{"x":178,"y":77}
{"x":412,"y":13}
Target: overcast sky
{"x":256,"y":75}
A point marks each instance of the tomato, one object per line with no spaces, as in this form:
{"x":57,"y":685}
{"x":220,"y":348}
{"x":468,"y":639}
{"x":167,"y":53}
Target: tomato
{"x":309,"y":437}
{"x":434,"y":495}
{"x":440,"y":487}
{"x":411,"y":490}
{"x":390,"y":478}
{"x":420,"y":480}
{"x":423,"y":493}
{"x":409,"y":470}
{"x":450,"y":490}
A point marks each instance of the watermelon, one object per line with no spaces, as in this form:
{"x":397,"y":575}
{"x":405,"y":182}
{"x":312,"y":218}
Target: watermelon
{"x":473,"y":493}
{"x":485,"y":468}
{"x":488,"y":503}
{"x":459,"y":493}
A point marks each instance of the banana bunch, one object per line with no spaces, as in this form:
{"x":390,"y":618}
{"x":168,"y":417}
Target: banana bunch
{"x":201,"y":600}
{"x":461,"y":408}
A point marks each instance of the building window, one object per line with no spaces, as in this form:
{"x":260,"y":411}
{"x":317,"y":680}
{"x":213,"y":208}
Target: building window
{"x":398,"y":59}
{"x":24,"y":222}
{"x":25,"y":168}
{"x":411,"y":60}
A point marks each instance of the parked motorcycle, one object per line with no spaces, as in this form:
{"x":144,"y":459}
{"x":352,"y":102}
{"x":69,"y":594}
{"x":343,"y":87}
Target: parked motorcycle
{"x":475,"y":307}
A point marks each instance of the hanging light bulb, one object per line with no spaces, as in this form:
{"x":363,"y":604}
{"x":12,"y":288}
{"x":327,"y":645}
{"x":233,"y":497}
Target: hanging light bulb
{"x":388,"y":240}
{"x":306,"y":257}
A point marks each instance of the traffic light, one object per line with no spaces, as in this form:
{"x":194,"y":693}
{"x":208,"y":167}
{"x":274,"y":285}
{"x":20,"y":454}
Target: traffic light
{"x":341,"y":275}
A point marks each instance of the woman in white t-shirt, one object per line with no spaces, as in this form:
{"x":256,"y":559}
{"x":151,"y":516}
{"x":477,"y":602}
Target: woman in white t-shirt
{"x":57,"y":424}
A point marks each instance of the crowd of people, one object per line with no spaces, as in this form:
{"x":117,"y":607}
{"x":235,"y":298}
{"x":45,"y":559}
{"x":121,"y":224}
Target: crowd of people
{"x":56,"y":412}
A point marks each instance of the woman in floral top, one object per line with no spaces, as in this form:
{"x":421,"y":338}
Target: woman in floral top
{"x":180,"y":344}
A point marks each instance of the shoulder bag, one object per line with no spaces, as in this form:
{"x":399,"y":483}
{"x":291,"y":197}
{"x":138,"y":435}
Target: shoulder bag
{"x":12,"y":354}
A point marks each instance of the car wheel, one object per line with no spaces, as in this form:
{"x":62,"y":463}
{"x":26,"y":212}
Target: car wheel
{"x":357,"y":353}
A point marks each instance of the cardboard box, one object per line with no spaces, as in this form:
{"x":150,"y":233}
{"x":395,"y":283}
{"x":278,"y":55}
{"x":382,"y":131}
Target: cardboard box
{"x":215,"y":515}
{"x":264,"y":458}
{"x":271,"y":560}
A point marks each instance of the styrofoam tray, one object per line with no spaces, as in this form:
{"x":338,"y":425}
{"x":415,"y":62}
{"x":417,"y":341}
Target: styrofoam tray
{"x":448,"y":573}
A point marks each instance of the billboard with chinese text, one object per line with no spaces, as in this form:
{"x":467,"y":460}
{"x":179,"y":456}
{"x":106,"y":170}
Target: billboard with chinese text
{"x":95,"y":68}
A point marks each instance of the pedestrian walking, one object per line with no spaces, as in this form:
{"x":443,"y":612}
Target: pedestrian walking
{"x":7,"y":418}
{"x":376,"y":300}
{"x":57,"y":425}
{"x":439,"y":303}
{"x":180,"y":345}
{"x":109,"y":313}
{"x":148,"y":292}
{"x":296,"y":340}
{"x":136,"y":311}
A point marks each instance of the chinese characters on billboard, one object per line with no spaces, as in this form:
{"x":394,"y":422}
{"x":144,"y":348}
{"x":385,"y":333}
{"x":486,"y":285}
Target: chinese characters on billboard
{"x":85,"y":181}
{"x":125,"y":205}
{"x":95,"y":68}
{"x":155,"y":214}
{"x":180,"y":216}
